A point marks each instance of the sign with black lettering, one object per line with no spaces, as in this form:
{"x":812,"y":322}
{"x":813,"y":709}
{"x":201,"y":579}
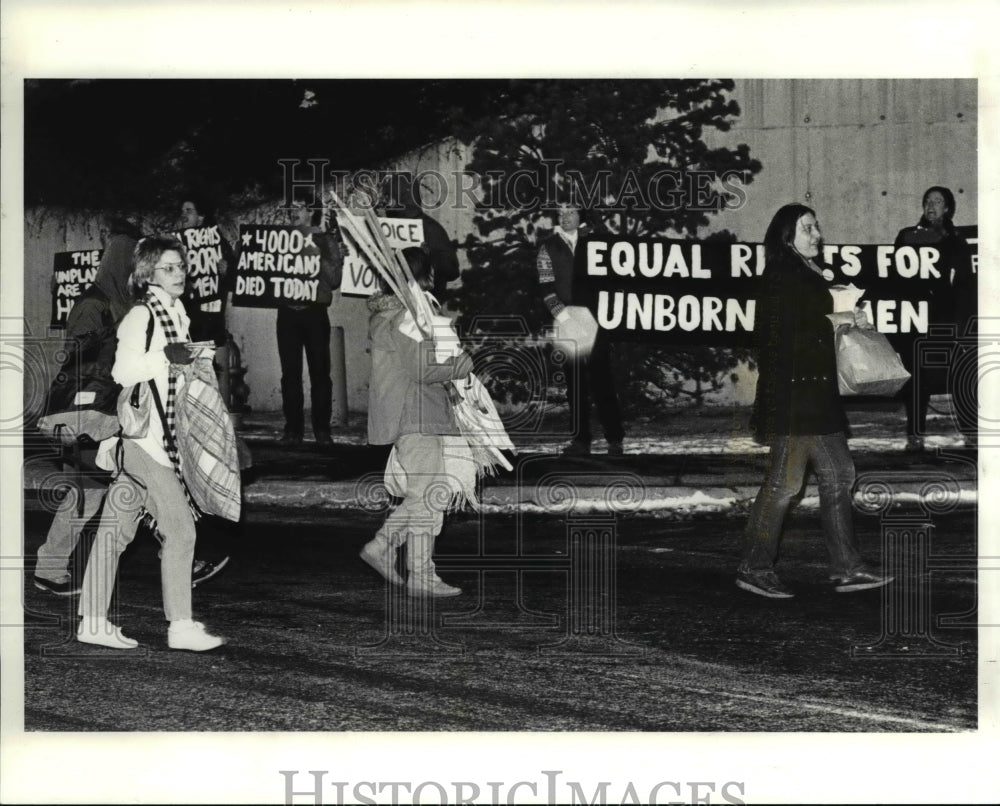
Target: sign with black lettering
{"x":73,"y":273}
{"x":278,"y":265}
{"x":359,"y":277}
{"x":701,"y":292}
{"x":204,"y":254}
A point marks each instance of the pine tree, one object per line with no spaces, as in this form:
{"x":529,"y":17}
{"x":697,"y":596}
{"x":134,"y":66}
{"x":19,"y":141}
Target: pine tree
{"x":598,"y":143}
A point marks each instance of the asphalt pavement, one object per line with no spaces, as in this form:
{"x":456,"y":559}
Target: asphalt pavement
{"x":598,"y":595}
{"x":565,"y":624}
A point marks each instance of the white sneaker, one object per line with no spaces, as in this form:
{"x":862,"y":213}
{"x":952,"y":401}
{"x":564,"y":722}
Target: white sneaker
{"x":435,"y":587}
{"x":102,"y":632}
{"x":191,"y":635}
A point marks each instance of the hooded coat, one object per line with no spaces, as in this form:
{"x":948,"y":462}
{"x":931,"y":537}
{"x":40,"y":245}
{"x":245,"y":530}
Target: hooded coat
{"x":90,"y":333}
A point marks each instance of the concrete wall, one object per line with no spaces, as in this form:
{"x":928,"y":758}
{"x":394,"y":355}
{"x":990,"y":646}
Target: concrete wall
{"x":860,"y":152}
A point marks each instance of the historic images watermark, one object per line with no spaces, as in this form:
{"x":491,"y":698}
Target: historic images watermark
{"x":528,"y":190}
{"x":583,"y":622}
{"x":312,"y":786}
{"x":911,"y":625}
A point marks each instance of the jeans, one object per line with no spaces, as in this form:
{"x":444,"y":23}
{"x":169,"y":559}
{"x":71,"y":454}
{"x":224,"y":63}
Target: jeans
{"x":790,"y":458}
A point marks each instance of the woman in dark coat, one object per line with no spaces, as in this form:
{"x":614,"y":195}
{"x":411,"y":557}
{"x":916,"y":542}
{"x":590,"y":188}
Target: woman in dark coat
{"x":953,"y":301}
{"x":797,"y":410}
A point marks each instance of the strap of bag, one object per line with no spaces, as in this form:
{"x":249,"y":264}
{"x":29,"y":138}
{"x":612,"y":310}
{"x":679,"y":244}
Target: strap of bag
{"x":163,"y":415}
{"x":167,"y":435}
{"x":195,"y":511}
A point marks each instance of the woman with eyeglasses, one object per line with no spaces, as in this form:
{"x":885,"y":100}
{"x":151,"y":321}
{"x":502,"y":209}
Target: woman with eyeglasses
{"x":152,"y":349}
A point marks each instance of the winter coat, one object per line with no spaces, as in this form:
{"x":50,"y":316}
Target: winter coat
{"x":797,"y":367}
{"x":407,"y":392}
{"x":90,"y":354}
{"x":953,"y":298}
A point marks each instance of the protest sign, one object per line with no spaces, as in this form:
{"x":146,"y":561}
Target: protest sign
{"x":359,"y":277}
{"x":277,"y":265}
{"x":204,"y":254}
{"x":73,"y":273}
{"x":702,"y":292}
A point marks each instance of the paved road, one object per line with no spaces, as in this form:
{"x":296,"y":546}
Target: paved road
{"x":553,"y":633}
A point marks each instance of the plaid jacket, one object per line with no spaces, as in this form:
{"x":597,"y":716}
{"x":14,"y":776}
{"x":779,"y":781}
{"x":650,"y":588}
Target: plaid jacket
{"x":207,"y":443}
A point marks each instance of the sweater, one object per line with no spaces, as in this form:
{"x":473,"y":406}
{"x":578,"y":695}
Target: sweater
{"x":555,"y":273}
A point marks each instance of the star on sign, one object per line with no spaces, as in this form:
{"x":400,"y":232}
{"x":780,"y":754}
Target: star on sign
{"x":247,"y":237}
{"x":309,"y":240}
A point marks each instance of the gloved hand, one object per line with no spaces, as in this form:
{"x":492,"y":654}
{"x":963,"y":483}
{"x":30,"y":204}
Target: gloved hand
{"x":178,"y":353}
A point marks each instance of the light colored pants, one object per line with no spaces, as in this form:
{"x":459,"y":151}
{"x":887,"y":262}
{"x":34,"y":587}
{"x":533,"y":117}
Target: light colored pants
{"x":417,"y":521}
{"x":64,"y":533}
{"x":164,"y":498}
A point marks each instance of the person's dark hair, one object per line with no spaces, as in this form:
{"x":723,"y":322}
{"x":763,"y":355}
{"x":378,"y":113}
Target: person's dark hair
{"x":781,"y":232}
{"x":147,"y":252}
{"x":202,"y":205}
{"x":420,"y":265}
{"x":949,"y":200}
{"x":582,"y":211}
{"x":308,"y":198}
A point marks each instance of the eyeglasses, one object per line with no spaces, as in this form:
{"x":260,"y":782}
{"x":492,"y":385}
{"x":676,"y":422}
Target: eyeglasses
{"x":170,"y":266}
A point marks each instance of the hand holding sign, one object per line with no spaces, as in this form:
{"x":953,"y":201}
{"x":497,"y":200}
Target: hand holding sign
{"x":277,"y":265}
